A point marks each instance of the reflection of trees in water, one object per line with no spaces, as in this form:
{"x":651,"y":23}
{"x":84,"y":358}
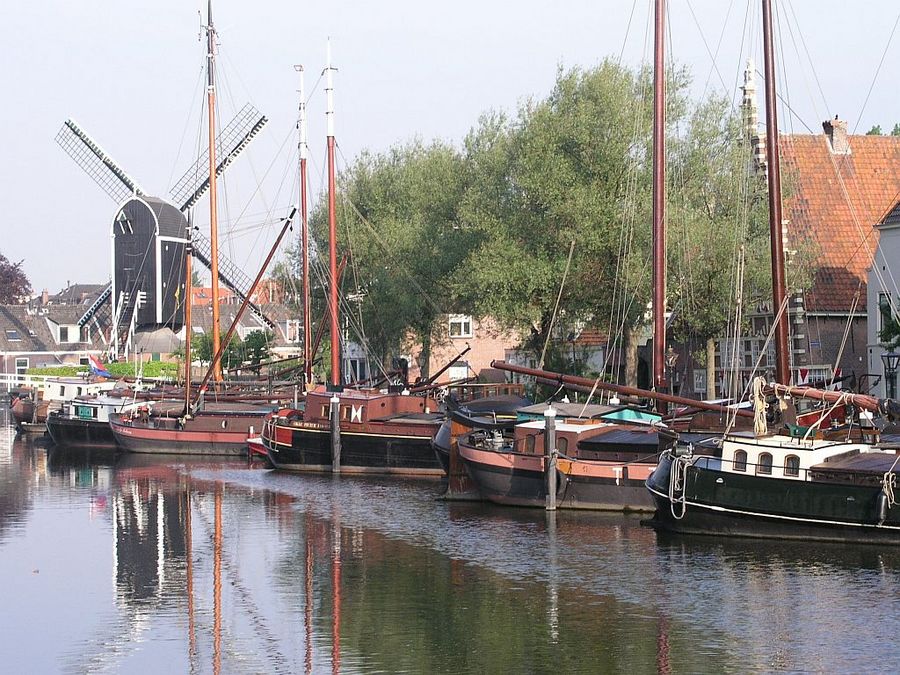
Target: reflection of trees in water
{"x":403,"y":607}
{"x":22,"y":463}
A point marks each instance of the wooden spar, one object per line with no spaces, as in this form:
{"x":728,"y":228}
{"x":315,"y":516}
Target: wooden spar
{"x":188,"y":292}
{"x":863,"y":401}
{"x":437,"y":385}
{"x":213,"y":205}
{"x":304,"y":239}
{"x":440,"y":372}
{"x":217,"y":359}
{"x":779,"y":291}
{"x":659,"y":203}
{"x":332,"y":232}
{"x":558,"y":378}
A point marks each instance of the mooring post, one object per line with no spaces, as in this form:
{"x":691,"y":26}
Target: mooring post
{"x":335,"y":434}
{"x":550,"y":456}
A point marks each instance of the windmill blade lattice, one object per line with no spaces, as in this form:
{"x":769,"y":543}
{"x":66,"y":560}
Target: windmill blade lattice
{"x":88,"y":154}
{"x":230,"y":142}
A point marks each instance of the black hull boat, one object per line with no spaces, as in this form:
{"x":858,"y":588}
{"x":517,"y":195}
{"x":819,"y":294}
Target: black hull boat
{"x":386,"y":433}
{"x":837,"y":492}
{"x":72,"y":432}
{"x":310,"y":450}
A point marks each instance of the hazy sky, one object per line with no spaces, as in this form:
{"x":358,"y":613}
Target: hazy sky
{"x":129,"y":72}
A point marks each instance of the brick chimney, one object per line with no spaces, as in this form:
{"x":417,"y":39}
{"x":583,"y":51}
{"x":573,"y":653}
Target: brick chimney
{"x":45,"y":296}
{"x":836,"y":131}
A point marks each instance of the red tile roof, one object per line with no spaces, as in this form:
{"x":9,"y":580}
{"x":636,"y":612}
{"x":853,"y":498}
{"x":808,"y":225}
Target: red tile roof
{"x":839,"y":219}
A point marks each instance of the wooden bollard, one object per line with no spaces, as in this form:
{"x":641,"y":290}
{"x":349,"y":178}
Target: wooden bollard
{"x":335,"y":434}
{"x":550,"y":456}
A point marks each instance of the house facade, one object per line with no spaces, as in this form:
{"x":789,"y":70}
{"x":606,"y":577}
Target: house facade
{"x":883,"y":300}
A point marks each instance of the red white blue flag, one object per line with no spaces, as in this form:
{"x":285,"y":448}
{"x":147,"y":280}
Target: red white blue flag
{"x":97,"y":367}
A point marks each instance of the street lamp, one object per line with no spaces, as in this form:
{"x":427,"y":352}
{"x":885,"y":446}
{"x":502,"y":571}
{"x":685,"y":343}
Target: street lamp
{"x":671,"y":361}
{"x":891,"y":361}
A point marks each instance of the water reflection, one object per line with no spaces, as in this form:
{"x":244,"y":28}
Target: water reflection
{"x":141,"y":563}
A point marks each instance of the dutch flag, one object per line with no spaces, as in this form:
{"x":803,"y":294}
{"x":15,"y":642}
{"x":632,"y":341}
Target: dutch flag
{"x":97,"y":367}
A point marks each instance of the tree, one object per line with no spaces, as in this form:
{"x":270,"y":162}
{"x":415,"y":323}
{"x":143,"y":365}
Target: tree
{"x":875,"y":130}
{"x":256,"y":347}
{"x":14,"y":285}
{"x":201,"y":349}
{"x":398,"y":223}
{"x":896,"y":130}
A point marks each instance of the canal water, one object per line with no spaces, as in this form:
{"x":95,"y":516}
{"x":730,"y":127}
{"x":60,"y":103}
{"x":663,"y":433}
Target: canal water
{"x":123,"y":563}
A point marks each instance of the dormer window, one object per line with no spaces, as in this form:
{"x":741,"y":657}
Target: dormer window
{"x":13,"y":335}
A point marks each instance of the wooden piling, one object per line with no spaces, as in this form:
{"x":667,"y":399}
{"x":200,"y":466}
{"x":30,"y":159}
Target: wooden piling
{"x":335,"y":434}
{"x":550,"y":456}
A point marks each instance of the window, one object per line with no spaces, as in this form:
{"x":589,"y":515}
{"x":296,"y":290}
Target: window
{"x":356,"y":369}
{"x":529,"y":443}
{"x":13,"y":335}
{"x":764,"y":463}
{"x":740,"y":460}
{"x":460,"y":326}
{"x":292,"y":330}
{"x":792,"y":465}
{"x":562,"y":444}
{"x":63,"y":334}
{"x":884,"y":310}
{"x":21,"y":365}
{"x":85,"y":333}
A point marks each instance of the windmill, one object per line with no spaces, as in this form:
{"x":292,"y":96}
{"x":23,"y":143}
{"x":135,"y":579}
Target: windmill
{"x":150,"y":235}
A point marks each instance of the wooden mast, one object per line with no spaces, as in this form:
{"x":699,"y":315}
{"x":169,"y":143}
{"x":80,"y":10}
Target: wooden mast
{"x":779,"y":292}
{"x":188,"y":292}
{"x":335,"y":381}
{"x":659,"y":202}
{"x":304,"y":239}
{"x":213,"y":213}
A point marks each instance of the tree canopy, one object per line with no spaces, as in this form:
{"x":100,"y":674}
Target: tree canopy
{"x":14,"y":284}
{"x":487,"y":229}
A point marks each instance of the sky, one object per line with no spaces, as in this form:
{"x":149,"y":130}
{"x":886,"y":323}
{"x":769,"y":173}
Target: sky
{"x":129,"y":72}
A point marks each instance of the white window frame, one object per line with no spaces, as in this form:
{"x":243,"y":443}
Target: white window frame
{"x":22,"y":363}
{"x":464,"y":323}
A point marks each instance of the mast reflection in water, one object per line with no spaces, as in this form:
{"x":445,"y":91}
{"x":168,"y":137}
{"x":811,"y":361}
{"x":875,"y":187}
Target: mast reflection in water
{"x":128,"y":563}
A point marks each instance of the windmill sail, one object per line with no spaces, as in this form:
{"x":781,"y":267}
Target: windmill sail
{"x":230,"y":142}
{"x":96,"y":162}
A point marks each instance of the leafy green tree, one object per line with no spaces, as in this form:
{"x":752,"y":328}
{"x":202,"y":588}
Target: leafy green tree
{"x":398,"y":223}
{"x":201,"y":348}
{"x":571,"y":169}
{"x":896,"y":130}
{"x":14,"y":284}
{"x":875,"y":130}
{"x":256,"y":347}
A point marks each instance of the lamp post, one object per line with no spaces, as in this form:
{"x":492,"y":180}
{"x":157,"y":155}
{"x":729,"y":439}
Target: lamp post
{"x":671,"y":361}
{"x":891,"y":360}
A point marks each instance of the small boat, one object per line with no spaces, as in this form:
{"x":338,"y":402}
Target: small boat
{"x":84,"y":420}
{"x":602,"y":463}
{"x":161,"y":427}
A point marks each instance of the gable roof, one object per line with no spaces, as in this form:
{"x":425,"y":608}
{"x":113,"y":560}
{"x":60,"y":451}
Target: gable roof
{"x":32,"y":333}
{"x":836,"y":201}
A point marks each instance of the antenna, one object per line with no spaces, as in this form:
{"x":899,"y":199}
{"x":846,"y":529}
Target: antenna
{"x":96,"y":162}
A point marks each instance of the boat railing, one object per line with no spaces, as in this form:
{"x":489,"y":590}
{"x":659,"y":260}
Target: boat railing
{"x":474,"y":391}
